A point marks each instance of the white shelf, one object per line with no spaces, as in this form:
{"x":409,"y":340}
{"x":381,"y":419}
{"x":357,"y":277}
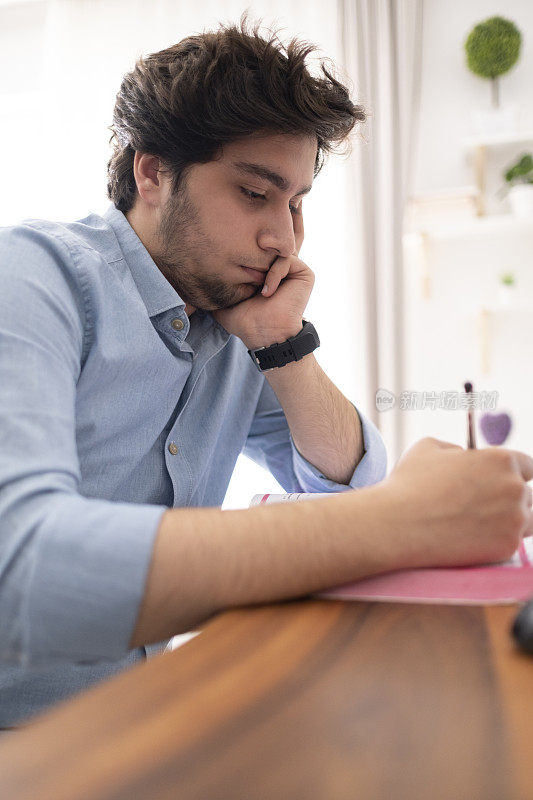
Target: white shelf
{"x":495,"y":139}
{"x":503,"y":224}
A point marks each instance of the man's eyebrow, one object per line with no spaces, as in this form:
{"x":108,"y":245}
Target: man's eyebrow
{"x":261,"y":171}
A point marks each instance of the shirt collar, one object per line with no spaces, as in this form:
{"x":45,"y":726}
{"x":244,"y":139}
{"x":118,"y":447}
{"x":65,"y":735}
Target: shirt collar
{"x":156,"y":292}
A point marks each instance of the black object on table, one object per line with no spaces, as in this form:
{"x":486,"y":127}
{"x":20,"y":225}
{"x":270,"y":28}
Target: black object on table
{"x":522,"y":629}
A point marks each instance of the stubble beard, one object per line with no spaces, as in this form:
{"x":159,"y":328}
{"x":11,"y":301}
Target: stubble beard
{"x":183,"y":250}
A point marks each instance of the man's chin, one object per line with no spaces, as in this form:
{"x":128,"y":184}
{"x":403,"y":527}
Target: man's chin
{"x":249,"y":290}
{"x":224,"y":300}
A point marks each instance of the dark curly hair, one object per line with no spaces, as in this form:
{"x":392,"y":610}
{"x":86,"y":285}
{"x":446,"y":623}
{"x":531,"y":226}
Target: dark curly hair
{"x":184,"y":103}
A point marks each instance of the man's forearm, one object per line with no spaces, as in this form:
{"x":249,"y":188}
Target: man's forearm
{"x":206,"y":560}
{"x":324,"y":425}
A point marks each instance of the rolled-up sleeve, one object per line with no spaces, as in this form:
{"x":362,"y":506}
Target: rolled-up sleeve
{"x":270,"y":444}
{"x":72,"y":569}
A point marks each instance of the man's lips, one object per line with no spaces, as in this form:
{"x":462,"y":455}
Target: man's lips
{"x":257,"y":274}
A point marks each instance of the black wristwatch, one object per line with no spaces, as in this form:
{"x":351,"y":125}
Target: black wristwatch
{"x":295,"y":348}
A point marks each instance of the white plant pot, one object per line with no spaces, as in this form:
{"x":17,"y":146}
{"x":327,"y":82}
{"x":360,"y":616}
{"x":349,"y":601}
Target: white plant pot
{"x":521,"y":200}
{"x":507,"y":295}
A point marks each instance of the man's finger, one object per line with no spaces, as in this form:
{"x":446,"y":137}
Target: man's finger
{"x":279,"y":270}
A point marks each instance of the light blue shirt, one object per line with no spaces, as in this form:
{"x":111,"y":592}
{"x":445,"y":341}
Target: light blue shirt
{"x":114,"y":406}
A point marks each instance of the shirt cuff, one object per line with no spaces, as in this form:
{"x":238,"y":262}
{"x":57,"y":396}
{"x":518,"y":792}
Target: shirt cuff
{"x":371,"y":469}
{"x":86,"y":593}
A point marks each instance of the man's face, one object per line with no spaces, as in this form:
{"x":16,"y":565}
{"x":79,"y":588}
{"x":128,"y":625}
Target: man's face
{"x":233,"y":217}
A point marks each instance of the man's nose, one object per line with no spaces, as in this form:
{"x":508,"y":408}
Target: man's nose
{"x":278,"y":234}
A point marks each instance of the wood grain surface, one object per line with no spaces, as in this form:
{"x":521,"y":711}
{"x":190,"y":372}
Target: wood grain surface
{"x":311,"y":700}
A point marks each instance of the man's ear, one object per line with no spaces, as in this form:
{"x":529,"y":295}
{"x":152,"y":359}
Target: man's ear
{"x":149,"y":179}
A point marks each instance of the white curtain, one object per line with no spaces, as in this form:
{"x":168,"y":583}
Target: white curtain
{"x":381,"y":44}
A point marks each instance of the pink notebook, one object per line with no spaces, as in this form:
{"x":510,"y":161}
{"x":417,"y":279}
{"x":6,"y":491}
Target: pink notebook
{"x":509,"y":582}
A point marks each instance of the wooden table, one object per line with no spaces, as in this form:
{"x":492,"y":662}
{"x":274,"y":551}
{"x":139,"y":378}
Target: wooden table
{"x":309,"y":700}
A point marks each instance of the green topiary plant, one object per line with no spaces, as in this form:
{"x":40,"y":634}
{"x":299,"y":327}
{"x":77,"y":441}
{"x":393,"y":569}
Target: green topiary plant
{"x":492,"y":48}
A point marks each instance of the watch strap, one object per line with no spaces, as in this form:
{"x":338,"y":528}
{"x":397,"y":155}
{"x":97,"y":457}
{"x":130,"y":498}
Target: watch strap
{"x":293,"y":349}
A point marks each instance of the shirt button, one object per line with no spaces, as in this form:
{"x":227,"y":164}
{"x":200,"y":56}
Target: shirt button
{"x":177,"y":324}
{"x":173,"y":448}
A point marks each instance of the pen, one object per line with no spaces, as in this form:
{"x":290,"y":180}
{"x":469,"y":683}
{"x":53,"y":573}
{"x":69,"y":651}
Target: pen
{"x":471,"y":428}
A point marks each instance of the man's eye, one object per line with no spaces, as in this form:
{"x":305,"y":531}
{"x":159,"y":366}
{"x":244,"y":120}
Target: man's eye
{"x":252,"y":195}
{"x":258,"y":196}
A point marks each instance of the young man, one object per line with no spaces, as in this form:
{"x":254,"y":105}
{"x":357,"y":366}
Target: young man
{"x":127,"y":390}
